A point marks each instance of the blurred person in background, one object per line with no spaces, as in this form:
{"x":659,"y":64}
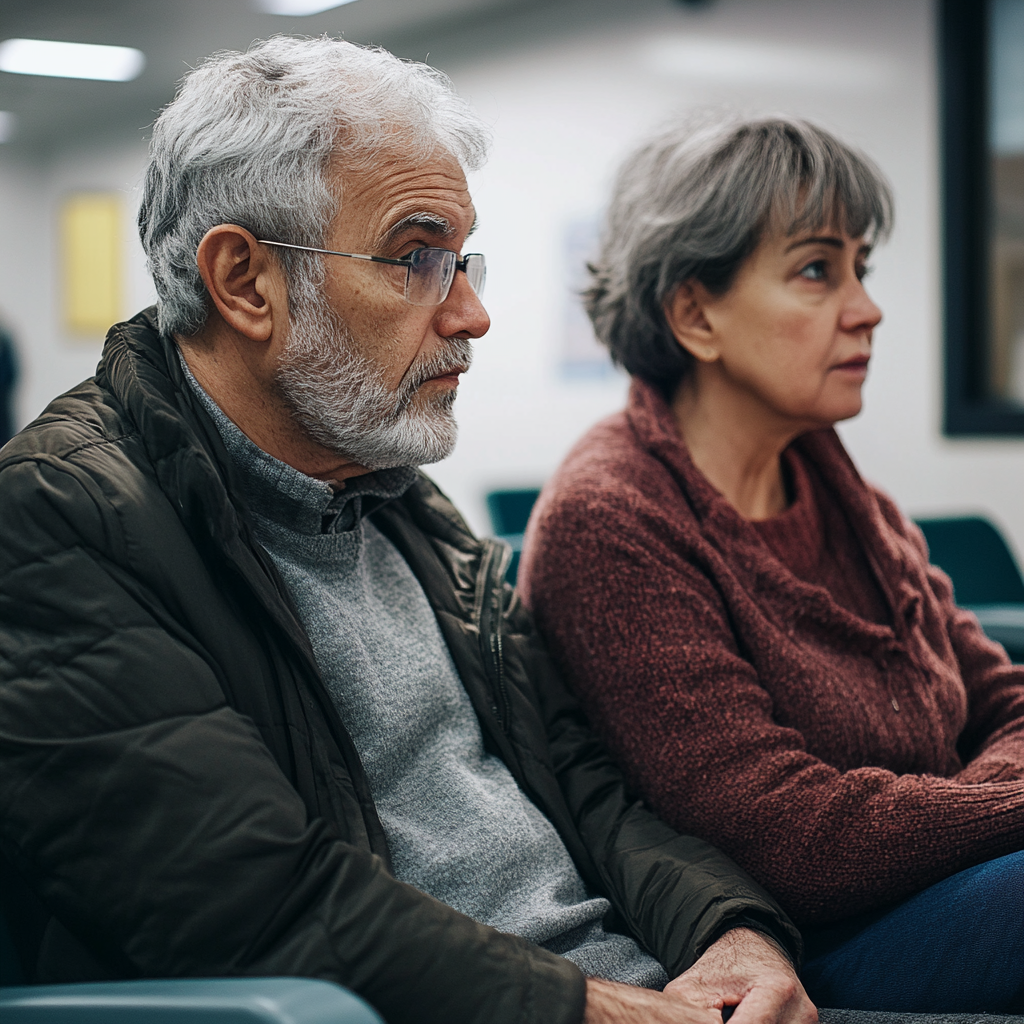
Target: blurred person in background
{"x":8,"y":384}
{"x":754,"y":630}
{"x":267,"y":707}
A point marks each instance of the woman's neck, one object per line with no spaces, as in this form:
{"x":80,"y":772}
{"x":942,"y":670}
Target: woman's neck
{"x":735,"y":442}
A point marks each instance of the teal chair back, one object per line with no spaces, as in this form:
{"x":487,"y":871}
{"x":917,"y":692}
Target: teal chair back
{"x":972,"y":552}
{"x":985,"y":576}
{"x":509,"y":512}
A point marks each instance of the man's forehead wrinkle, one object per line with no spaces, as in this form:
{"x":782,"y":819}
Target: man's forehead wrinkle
{"x":397,"y":196}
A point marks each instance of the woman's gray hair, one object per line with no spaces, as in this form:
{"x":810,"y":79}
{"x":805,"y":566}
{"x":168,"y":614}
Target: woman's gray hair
{"x":694,"y":202}
{"x":251,"y":137}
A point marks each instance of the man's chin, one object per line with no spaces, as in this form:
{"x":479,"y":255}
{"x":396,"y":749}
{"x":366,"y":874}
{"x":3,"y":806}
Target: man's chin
{"x":412,"y":440}
{"x":434,"y":397}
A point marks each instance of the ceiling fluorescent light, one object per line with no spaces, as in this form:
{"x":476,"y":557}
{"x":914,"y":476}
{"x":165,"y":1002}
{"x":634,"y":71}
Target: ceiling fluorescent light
{"x":300,"y":7}
{"x":70,"y":60}
{"x":8,"y":122}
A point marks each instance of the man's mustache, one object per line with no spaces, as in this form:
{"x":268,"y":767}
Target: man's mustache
{"x":455,"y":357}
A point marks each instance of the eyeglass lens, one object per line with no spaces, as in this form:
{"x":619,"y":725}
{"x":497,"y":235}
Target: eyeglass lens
{"x":476,"y":271}
{"x":431,"y":272}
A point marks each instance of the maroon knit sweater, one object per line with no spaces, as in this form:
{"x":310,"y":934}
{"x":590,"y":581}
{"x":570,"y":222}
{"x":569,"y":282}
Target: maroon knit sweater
{"x":845,"y":762}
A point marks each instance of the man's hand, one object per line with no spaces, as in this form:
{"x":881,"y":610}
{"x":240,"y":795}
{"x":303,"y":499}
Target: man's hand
{"x":745,"y":970}
{"x":611,"y":1003}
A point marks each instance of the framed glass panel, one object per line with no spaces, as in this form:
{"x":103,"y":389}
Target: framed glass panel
{"x":982,"y":66}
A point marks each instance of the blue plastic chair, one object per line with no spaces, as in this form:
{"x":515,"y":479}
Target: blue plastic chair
{"x":191,"y":1001}
{"x":178,"y":1001}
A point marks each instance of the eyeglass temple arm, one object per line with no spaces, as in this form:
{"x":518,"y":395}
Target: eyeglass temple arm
{"x":331,"y":252}
{"x":460,"y":264}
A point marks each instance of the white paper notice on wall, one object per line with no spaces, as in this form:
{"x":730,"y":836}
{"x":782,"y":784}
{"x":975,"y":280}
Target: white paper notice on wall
{"x":582,"y":356}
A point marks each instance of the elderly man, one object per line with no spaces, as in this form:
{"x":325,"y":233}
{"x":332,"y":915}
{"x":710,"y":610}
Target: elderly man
{"x":266,"y":705}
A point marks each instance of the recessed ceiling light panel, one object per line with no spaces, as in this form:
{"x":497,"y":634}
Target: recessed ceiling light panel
{"x":8,"y":122}
{"x":70,"y":60}
{"x":299,"y":7}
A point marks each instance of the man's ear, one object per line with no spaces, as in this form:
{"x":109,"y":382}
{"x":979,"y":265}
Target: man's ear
{"x":245,"y":283}
{"x":684,"y":312}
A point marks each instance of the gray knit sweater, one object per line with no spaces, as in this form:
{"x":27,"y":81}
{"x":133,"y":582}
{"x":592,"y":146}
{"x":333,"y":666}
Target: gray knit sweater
{"x":457,"y":824}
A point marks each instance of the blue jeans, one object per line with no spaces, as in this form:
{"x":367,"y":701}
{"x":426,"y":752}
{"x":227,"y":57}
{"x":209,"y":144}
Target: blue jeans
{"x":958,"y":946}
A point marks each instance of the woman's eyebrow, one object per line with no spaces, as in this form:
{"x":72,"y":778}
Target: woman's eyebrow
{"x":836,"y":243}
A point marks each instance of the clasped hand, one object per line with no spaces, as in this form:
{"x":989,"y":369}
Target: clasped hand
{"x":743,"y":969}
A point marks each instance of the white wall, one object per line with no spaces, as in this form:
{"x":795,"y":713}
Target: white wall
{"x":568,"y":95}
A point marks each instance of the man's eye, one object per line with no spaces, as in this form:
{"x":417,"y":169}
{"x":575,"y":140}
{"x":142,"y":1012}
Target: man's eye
{"x":814,"y":271}
{"x":863,"y":271}
{"x":403,"y":252}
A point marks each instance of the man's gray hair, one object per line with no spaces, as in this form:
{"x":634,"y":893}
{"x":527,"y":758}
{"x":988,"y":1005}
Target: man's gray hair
{"x":251,"y":137}
{"x":693,"y":203}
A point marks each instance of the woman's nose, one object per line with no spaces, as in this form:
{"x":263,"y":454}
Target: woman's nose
{"x":859,"y":312}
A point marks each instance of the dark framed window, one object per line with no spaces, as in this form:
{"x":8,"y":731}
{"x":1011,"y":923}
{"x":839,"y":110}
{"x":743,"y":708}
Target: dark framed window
{"x":982,"y":72}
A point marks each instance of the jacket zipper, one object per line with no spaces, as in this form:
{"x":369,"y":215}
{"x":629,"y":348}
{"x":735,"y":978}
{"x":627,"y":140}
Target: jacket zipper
{"x":491,"y":582}
{"x":499,"y":663}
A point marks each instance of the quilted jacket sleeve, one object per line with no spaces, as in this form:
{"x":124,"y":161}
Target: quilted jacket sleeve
{"x":155,"y":824}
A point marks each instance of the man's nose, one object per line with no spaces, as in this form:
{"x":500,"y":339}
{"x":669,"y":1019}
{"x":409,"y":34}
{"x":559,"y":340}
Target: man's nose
{"x":462,"y":314}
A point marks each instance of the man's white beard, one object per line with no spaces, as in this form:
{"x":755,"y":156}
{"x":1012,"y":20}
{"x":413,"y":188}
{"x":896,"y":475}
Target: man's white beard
{"x":340,"y":397}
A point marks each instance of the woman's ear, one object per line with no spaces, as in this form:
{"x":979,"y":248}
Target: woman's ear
{"x":684,"y":313}
{"x":246,"y":284}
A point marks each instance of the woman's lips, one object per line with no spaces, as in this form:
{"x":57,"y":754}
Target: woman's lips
{"x":858,"y":364}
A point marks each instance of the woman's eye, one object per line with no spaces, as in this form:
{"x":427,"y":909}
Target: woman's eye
{"x":814,"y":271}
{"x":863,"y":271}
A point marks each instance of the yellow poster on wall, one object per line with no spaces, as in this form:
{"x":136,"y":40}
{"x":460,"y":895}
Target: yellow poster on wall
{"x":91,"y":257}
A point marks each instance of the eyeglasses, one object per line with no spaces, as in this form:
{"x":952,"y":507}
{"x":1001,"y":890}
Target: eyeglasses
{"x":429,"y":272}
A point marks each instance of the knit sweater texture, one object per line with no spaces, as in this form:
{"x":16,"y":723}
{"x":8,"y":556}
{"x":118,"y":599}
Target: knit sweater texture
{"x":813,"y":538}
{"x":458,"y":826}
{"x":848,"y":748}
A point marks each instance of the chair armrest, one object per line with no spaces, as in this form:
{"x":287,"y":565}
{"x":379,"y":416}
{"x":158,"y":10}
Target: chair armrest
{"x":1003,"y":623}
{"x":187,"y":1001}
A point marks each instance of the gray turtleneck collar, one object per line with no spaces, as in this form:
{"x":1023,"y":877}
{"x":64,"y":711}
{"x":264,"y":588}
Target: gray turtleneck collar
{"x":285,"y":495}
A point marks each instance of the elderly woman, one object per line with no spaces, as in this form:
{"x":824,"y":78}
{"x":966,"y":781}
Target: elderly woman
{"x":756,"y":631}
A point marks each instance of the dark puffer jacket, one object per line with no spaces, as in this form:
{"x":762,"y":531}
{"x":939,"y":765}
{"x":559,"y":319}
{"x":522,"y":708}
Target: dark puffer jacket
{"x":178,"y":796}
